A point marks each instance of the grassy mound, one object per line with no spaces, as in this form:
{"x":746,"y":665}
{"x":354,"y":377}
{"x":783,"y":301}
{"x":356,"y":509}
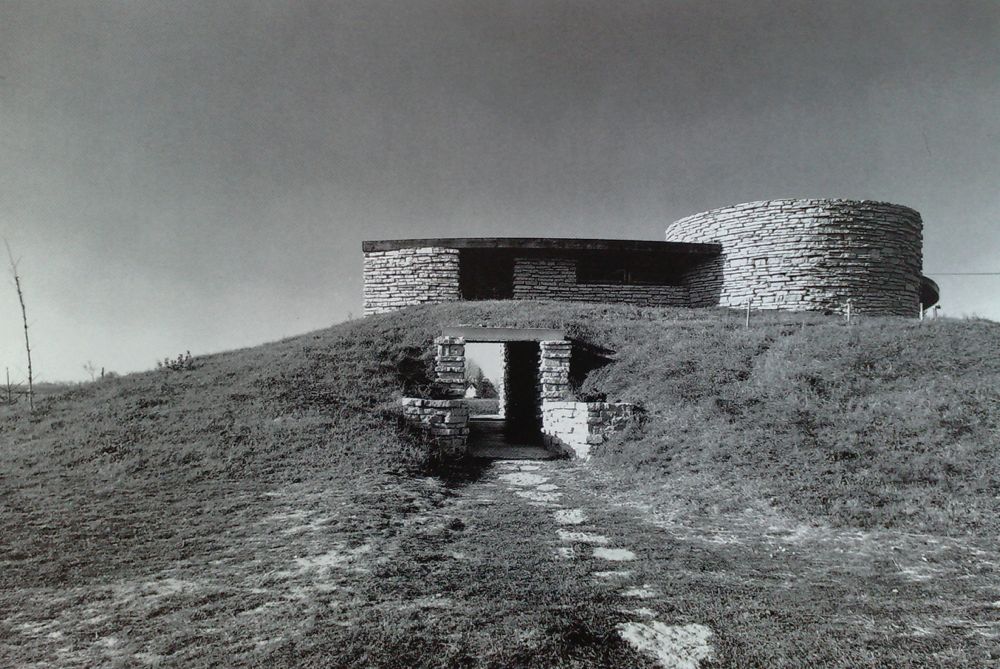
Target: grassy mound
{"x":887,"y":422}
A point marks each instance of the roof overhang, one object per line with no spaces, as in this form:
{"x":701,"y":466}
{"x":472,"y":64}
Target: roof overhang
{"x":545,"y":244}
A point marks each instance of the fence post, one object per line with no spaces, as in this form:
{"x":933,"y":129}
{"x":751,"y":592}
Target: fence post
{"x":749,"y":300}
{"x":848,"y":312}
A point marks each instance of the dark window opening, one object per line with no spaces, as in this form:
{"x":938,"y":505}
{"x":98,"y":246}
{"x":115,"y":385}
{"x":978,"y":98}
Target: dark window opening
{"x":485,"y":274}
{"x":629,"y":269}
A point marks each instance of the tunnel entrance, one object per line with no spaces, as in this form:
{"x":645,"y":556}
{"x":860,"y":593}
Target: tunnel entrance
{"x":508,"y":361}
{"x":522,"y":421}
{"x":525,"y":404}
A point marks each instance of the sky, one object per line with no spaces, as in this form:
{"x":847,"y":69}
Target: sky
{"x":488,"y":357}
{"x":193,"y":175}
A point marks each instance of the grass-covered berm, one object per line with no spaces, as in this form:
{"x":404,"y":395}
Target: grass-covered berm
{"x":814,"y":493}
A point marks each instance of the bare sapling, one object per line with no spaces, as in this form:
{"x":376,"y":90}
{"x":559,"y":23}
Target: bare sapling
{"x":24,"y":319}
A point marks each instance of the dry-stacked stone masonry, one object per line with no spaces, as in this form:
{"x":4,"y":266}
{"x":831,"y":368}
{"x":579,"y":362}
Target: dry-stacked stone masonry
{"x":443,"y":420}
{"x":569,"y":426}
{"x":573,"y":427}
{"x":449,"y":365}
{"x":805,"y":254}
{"x":404,"y":272}
{"x":553,"y":369}
{"x":539,"y":397}
{"x":557,"y":279}
{"x":808,"y":254}
{"x":403,"y":277}
{"x":444,"y":423}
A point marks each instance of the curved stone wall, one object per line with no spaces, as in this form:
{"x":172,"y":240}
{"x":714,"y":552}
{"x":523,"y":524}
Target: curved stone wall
{"x":808,"y":254}
{"x":404,"y":277}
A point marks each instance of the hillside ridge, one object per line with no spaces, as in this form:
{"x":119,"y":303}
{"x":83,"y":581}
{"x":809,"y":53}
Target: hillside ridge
{"x":883,"y":422}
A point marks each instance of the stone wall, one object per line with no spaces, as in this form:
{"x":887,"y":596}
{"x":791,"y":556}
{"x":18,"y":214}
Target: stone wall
{"x":553,"y":369}
{"x":449,"y":366}
{"x":570,"y":426}
{"x":576,"y":426}
{"x":396,"y":279}
{"x":555,"y":279}
{"x":538,"y":397}
{"x":444,"y":424}
{"x":808,"y":255}
{"x":501,"y":383}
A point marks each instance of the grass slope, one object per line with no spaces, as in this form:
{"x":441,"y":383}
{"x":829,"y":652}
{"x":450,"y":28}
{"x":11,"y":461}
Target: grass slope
{"x":887,"y":422}
{"x":170,"y":504}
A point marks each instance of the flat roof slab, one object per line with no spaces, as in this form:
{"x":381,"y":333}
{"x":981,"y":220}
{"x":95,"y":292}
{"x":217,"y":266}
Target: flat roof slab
{"x":545,"y":244}
{"x":498,"y":335}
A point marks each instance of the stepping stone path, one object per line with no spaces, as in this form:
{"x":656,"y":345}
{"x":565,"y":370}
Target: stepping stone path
{"x":611,"y":574}
{"x":642,"y":593}
{"x":671,"y":646}
{"x":569,"y":516}
{"x":583,"y":537}
{"x":614,"y":554}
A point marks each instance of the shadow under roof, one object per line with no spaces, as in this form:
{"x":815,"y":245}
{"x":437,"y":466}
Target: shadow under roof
{"x":545,"y":244}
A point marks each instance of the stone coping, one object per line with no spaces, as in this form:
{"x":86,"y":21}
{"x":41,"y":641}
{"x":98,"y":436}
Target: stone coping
{"x":798,"y":202}
{"x":432,"y":403}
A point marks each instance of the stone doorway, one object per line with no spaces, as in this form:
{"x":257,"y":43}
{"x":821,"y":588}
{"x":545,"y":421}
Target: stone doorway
{"x":536,"y":415}
{"x":516,"y":360}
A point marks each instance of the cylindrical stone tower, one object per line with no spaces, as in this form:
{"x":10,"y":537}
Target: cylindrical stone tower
{"x":808,"y":254}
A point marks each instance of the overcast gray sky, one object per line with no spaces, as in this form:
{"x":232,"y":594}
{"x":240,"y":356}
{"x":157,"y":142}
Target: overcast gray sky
{"x":200,"y":175}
